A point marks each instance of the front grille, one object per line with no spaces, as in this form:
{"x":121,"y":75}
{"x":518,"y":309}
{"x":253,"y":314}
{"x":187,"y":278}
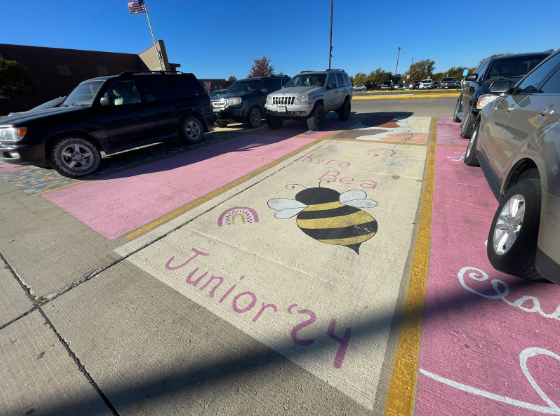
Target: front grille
{"x":219,"y":104}
{"x":283,"y":100}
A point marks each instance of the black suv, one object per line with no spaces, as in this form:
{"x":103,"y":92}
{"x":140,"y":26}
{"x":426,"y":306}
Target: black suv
{"x":495,"y":68}
{"x":244,"y":100}
{"x":109,"y":114}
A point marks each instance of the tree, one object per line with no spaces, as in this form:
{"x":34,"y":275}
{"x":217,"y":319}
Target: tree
{"x":232,"y":78}
{"x":360,"y":78}
{"x":261,"y":68}
{"x":15,"y":80}
{"x":421,"y":70}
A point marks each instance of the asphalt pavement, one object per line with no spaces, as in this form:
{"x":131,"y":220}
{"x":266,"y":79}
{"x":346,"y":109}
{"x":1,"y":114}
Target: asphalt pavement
{"x":271,"y":272}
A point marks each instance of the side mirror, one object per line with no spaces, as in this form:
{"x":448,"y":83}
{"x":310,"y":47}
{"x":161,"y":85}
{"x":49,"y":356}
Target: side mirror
{"x":264,"y":91}
{"x":500,"y":87}
{"x":471,"y":77}
{"x":105,"y":101}
{"x":331,"y":86}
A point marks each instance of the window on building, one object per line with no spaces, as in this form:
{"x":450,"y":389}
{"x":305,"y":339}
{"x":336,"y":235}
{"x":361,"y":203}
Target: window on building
{"x":64,"y":70}
{"x":102,"y":71}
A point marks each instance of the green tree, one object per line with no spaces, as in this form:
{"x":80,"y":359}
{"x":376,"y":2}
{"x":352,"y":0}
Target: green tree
{"x":421,"y":70}
{"x":232,"y":78}
{"x":15,"y":80}
{"x":360,"y":78}
{"x":261,"y":68}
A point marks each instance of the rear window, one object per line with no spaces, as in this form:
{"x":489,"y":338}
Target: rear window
{"x":447,"y":80}
{"x":514,"y":67}
{"x":168,"y":87}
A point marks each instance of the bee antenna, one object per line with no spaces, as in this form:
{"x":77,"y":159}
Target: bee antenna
{"x":293,"y":185}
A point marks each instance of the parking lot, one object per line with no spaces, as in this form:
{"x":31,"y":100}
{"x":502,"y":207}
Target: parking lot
{"x":175,"y":282}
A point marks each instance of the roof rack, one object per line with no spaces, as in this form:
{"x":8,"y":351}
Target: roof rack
{"x":150,"y":72}
{"x":334,"y":69}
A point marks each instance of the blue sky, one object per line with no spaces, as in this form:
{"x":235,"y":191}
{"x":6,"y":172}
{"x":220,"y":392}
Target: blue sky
{"x":216,"y":39}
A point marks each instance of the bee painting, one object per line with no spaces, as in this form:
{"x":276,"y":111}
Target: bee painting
{"x":329,"y":216}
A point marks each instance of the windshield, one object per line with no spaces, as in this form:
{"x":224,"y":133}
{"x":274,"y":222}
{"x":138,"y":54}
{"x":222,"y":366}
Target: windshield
{"x":83,"y":94}
{"x":514,"y":67}
{"x":243,"y":86}
{"x":447,"y":80}
{"x":307,"y":80}
{"x":386,"y":83}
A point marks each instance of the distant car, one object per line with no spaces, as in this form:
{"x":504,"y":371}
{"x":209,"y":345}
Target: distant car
{"x":416,"y":85}
{"x":388,"y":85}
{"x":508,"y":67}
{"x":49,"y":104}
{"x":458,"y":85}
{"x":516,"y":141}
{"x":447,"y":83}
{"x":360,"y":87}
{"x":425,"y":85}
{"x":398,"y":86}
{"x":217,"y":93}
{"x":435,"y":84}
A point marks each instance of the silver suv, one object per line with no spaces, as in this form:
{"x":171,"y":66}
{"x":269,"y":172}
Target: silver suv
{"x":311,"y":95}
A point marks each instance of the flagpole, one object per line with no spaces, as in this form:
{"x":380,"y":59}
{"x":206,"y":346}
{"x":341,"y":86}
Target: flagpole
{"x":153,"y":38}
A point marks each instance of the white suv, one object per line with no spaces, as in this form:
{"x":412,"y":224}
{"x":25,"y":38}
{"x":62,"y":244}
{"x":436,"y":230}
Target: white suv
{"x":360,"y":87}
{"x":426,"y":84}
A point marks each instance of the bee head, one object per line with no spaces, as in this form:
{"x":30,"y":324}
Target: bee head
{"x":313,"y":196}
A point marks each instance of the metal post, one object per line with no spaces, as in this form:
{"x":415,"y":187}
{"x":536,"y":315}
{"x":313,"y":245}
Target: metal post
{"x":398,"y":56}
{"x":330,"y":49}
{"x":154,"y":39}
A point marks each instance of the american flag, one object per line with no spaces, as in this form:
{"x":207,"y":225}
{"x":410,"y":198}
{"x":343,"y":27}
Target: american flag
{"x":137,"y":7}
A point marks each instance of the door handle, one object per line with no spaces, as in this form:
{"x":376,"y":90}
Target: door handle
{"x":546,"y":111}
{"x":510,"y":108}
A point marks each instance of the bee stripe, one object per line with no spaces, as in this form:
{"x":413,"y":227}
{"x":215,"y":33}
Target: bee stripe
{"x":322,"y":207}
{"x":360,"y":217}
{"x":342,"y":232}
{"x":328,"y":213}
{"x":348,"y":241}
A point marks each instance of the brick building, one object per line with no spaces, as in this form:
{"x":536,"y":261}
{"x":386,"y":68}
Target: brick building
{"x":58,"y":71}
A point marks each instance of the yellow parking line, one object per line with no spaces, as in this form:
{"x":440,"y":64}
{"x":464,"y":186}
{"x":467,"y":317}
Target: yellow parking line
{"x":404,"y":96}
{"x":217,"y":192}
{"x":402,"y":386}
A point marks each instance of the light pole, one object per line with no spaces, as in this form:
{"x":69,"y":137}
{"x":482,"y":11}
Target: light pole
{"x":398,"y":56}
{"x":330,"y":49}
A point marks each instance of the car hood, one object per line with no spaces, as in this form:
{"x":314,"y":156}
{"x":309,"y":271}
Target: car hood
{"x":23,"y":118}
{"x":234,"y":94}
{"x":297,"y":90}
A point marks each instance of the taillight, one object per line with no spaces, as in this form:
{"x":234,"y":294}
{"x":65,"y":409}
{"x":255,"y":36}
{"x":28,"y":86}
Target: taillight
{"x":211,"y":106}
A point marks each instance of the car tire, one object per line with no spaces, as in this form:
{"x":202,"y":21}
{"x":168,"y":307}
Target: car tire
{"x":456,"y":117}
{"x":466,"y":124}
{"x":274,"y":122}
{"x":316,"y":120}
{"x":344,"y":112}
{"x":519,"y":258}
{"x":74,"y":157}
{"x":471,"y":158}
{"x":191,"y":130}
{"x":254,"y":118}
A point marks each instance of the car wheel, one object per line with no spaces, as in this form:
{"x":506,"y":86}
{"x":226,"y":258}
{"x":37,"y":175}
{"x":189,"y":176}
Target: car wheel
{"x":274,"y":122}
{"x":255,"y":118}
{"x":512,"y":240}
{"x":191,"y":130}
{"x":74,"y":157}
{"x":456,"y":117}
{"x":344,"y":112}
{"x":316,"y":120}
{"x":471,"y":158}
{"x":466,"y":124}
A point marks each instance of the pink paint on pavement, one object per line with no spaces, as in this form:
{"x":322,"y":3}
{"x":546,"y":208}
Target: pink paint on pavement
{"x":122,"y":202}
{"x":7,"y":166}
{"x":448,"y":132}
{"x":299,"y":129}
{"x":472,"y":340}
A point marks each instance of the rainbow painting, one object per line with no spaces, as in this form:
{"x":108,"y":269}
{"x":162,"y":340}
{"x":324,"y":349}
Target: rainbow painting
{"x":238,"y":215}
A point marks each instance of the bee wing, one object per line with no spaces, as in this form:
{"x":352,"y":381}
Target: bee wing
{"x":287,"y":208}
{"x":356,"y":198}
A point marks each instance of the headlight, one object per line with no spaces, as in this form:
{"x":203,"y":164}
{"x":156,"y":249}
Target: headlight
{"x":269,"y":98}
{"x":234,"y":101}
{"x":302,"y":99}
{"x":12,"y":134}
{"x":485,"y":100}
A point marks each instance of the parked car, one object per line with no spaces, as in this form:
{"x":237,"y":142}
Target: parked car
{"x":416,"y":85}
{"x":446,"y":83}
{"x":217,"y":93}
{"x":425,"y":85}
{"x":509,"y":67}
{"x":458,"y":85}
{"x":310,"y":95}
{"x":388,"y":85}
{"x":49,"y":104}
{"x":109,"y":114}
{"x":435,"y":84}
{"x":516,"y":141}
{"x":244,"y":100}
{"x":360,"y":87}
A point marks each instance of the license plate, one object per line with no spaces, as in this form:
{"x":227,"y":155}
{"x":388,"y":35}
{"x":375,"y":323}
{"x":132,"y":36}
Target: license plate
{"x":281,"y":109}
